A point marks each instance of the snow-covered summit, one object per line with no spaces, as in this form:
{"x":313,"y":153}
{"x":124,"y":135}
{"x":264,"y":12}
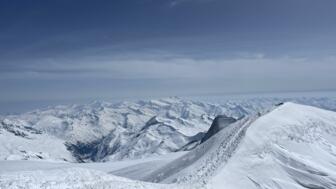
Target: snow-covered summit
{"x":293,"y":146}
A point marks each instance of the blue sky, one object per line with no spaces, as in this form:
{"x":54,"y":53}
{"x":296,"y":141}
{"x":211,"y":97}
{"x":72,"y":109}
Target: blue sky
{"x":77,"y":50}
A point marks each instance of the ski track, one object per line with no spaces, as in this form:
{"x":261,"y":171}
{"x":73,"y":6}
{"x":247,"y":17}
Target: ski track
{"x":218,"y":158}
{"x":197,"y":167}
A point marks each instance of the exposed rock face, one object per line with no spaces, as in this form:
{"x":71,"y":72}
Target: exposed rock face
{"x":218,"y":124}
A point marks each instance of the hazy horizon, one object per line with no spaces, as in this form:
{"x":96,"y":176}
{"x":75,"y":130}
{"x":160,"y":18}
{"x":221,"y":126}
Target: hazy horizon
{"x":18,"y":107}
{"x":76,"y":51}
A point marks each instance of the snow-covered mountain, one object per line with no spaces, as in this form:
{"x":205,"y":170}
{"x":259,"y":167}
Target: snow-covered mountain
{"x":292,"y":146}
{"x":287,"y":146}
{"x":102,"y":131}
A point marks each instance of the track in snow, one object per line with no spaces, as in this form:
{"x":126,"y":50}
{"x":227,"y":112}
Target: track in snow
{"x":198,"y":165}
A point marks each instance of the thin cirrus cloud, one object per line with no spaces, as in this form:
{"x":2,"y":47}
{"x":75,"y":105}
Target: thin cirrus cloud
{"x":246,"y":65}
{"x":58,"y":81}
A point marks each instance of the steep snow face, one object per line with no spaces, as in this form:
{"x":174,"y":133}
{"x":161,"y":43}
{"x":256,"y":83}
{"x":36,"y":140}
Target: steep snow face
{"x":294,"y":146}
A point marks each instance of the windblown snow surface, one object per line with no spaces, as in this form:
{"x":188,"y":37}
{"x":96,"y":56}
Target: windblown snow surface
{"x":294,"y":146}
{"x":291,"y":146}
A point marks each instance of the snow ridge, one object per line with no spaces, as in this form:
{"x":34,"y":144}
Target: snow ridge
{"x":292,"y":146}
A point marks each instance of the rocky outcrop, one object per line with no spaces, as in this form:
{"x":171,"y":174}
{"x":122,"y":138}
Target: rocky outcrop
{"x":218,"y":124}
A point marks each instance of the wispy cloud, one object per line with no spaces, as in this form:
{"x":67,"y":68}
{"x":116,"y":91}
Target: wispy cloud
{"x":163,"y":74}
{"x":170,"y":66}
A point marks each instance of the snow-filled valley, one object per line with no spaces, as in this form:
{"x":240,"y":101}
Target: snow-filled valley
{"x":172,"y":143}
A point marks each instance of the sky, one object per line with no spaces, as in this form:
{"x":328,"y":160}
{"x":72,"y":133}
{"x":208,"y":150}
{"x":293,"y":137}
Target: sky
{"x":70,"y":51}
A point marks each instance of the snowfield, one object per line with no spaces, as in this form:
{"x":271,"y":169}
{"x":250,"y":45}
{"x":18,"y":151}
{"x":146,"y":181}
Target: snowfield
{"x":71,"y":178}
{"x":282,"y":147}
{"x":16,"y":174}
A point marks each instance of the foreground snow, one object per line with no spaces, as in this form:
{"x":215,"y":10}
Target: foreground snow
{"x":72,"y":178}
{"x":16,"y":174}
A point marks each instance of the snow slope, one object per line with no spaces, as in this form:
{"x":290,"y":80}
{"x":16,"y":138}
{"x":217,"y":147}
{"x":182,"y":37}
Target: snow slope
{"x":74,"y":178}
{"x":21,"y":144}
{"x":62,"y":175}
{"x":199,"y":164}
{"x":294,"y":146}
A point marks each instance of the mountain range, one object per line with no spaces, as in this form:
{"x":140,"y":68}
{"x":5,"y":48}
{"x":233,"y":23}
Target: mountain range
{"x":102,"y":131}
